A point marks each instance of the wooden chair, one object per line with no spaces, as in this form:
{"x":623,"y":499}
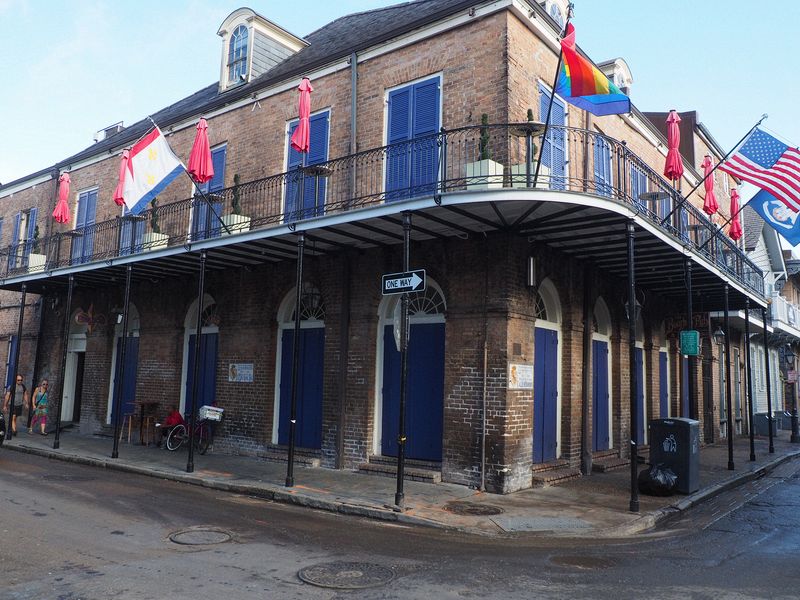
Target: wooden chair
{"x":127,"y":419}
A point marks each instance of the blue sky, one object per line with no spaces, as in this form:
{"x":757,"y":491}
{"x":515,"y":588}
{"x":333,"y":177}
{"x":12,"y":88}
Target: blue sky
{"x":69,"y":72}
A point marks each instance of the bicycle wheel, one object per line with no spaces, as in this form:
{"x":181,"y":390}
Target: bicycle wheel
{"x":203,"y":438}
{"x":176,"y":437}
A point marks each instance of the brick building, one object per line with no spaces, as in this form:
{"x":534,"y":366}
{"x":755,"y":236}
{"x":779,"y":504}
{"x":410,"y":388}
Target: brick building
{"x":520,"y":358}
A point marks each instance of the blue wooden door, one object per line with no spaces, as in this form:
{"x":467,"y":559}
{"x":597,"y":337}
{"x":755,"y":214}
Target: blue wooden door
{"x":83,"y":245}
{"x":311,"y":202}
{"x":640,"y":396}
{"x":308,"y":432}
{"x":11,"y":366}
{"x":600,"y":437}
{"x":545,"y":395}
{"x":663,"y":385}
{"x":554,"y":153}
{"x":130,"y":239}
{"x":128,"y":388}
{"x":206,"y":376}
{"x":425,"y":392}
{"x":412,"y":160}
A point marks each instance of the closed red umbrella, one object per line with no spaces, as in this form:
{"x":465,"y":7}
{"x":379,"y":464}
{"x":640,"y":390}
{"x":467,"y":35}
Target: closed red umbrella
{"x":736,"y":226}
{"x":301,"y":138}
{"x":61,"y":213}
{"x":673,"y":168}
{"x":200,"y":166}
{"x":710,"y":205}
{"x":119,"y":192}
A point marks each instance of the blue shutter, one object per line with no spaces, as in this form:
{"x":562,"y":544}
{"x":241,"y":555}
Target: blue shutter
{"x":11,"y":367}
{"x":12,"y":258}
{"x":131,"y":235}
{"x":397,"y":158}
{"x":602,"y":167}
{"x":313,"y":202}
{"x":554,"y":153}
{"x":639,"y":186}
{"x":31,"y":231}
{"x":204,"y":224}
{"x":83,"y":245}
{"x":425,"y":125}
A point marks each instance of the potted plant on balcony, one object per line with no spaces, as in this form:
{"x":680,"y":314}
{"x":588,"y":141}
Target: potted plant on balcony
{"x":484,"y":173}
{"x":236,"y":222}
{"x":154,"y":239}
{"x":36,"y":261}
{"x":519,"y":172}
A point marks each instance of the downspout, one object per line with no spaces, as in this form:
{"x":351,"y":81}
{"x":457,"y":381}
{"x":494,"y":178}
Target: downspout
{"x":353,"y":114}
{"x":344,"y":351}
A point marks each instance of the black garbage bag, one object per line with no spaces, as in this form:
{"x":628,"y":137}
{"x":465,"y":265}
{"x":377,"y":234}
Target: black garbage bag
{"x":658,"y":480}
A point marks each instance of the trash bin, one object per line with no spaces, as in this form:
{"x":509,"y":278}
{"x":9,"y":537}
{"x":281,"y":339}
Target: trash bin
{"x":784,"y":420}
{"x":675,"y":443}
{"x":761,"y":427}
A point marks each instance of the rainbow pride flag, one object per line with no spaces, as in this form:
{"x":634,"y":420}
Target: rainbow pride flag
{"x":582,"y":84}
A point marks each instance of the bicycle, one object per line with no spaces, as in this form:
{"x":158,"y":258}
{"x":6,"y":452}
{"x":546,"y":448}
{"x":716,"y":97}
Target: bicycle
{"x":179,"y":435}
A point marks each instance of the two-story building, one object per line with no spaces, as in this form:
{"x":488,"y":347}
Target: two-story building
{"x":520,"y":356}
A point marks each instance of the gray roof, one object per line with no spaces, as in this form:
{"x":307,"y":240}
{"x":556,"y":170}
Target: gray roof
{"x":753,"y":225}
{"x":336,"y":40}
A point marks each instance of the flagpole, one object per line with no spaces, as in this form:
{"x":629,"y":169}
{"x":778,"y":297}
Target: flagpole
{"x":570,"y":6}
{"x":202,"y":193}
{"x":711,"y":172}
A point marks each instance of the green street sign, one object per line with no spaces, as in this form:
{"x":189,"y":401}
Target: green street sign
{"x":690,"y":342}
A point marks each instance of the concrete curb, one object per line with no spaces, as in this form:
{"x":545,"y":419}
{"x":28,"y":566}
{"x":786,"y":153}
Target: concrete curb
{"x":265,"y":491}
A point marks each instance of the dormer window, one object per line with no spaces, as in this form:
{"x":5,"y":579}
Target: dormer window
{"x":237,"y":55}
{"x":251,"y":46}
{"x":558,"y":17}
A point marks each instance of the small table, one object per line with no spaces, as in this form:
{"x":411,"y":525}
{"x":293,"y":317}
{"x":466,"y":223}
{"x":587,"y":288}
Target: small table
{"x":145,"y":407}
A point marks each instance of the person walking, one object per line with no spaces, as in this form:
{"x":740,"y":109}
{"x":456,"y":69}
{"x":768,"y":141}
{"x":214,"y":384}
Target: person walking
{"x":21,"y":401}
{"x":39,"y":407}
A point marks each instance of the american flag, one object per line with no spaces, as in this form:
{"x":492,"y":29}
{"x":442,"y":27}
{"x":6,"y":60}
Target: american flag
{"x":770,"y":164}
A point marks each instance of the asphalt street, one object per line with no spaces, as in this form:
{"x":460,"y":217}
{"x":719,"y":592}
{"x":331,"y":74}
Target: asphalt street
{"x":75,"y":532}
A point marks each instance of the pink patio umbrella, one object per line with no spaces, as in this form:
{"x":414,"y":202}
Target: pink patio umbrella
{"x":673,"y":168}
{"x":302,"y":134}
{"x":61,"y":213}
{"x":200,"y":164}
{"x":710,"y":205}
{"x":736,"y":225}
{"x":119,"y":192}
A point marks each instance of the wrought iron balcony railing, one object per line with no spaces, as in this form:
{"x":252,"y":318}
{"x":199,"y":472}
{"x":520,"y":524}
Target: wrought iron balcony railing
{"x":466,"y":159}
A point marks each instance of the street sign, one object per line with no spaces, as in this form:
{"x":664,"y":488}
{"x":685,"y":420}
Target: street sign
{"x":399,"y":283}
{"x":690,"y":342}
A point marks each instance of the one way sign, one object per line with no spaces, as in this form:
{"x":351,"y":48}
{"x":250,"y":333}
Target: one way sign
{"x":399,"y":283}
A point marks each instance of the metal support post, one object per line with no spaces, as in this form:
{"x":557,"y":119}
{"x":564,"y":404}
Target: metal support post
{"x":119,"y":386}
{"x":12,"y":389}
{"x":728,"y":406}
{"x":399,"y":497}
{"x":634,"y":503}
{"x":749,"y":376}
{"x":764,"y":314}
{"x":67,"y":314}
{"x":693,"y":412}
{"x":301,"y":241}
{"x":191,"y":404}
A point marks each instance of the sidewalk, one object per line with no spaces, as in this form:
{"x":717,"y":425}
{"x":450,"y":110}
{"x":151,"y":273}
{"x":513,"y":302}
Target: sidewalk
{"x":593,"y":506}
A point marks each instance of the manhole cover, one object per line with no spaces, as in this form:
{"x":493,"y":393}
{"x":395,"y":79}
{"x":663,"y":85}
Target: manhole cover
{"x":582,"y":562}
{"x":54,"y":477}
{"x":200,"y":536}
{"x":473,"y":510}
{"x":346,"y":575}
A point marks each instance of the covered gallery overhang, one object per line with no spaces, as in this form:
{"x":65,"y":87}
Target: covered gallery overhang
{"x":586,"y":227}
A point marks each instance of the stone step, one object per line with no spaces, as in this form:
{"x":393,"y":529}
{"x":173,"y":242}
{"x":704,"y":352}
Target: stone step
{"x":553,"y":465}
{"x":409,"y":473}
{"x":281,"y":456}
{"x":410,"y":462}
{"x":554,"y":476}
{"x":609,"y":463}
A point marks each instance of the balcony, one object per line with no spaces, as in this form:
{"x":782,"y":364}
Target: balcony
{"x":461,"y":181}
{"x":784,"y":312}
